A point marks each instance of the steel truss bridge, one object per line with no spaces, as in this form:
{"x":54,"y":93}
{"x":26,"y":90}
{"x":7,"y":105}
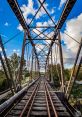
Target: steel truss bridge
{"x":39,"y":98}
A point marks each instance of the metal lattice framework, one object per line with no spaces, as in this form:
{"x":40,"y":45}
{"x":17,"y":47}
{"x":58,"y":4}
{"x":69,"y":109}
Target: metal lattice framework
{"x":42,"y":43}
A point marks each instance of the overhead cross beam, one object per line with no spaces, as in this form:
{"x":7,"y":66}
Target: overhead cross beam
{"x":46,"y":36}
{"x":16,"y":9}
{"x":67,"y":9}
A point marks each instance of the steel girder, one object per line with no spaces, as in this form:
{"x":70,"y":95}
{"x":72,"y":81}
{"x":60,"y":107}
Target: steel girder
{"x":17,"y":11}
{"x":67,"y":9}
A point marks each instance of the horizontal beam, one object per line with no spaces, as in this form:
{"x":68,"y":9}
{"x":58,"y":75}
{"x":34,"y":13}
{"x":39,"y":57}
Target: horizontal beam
{"x":42,"y":26}
{"x":40,"y":39}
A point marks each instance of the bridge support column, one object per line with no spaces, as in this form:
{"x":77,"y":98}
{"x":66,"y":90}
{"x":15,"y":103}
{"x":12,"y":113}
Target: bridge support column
{"x":61,"y":63}
{"x":51,"y":67}
{"x":7,"y":64}
{"x":35,"y":67}
{"x":31,"y":65}
{"x":8,"y":79}
{"x":48,"y":71}
{"x":74,"y":74}
{"x":22,"y":59}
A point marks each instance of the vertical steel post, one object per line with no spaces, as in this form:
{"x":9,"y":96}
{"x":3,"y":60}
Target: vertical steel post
{"x":7,"y":63}
{"x":32,"y":64}
{"x":51,"y":67}
{"x":35,"y":66}
{"x":61,"y":64}
{"x":38,"y":69}
{"x":72,"y":78}
{"x":22,"y":59}
{"x":75,"y":77}
{"x":79,"y":66}
{"x":27,"y":57}
{"x":48,"y":69}
{"x":8,"y":79}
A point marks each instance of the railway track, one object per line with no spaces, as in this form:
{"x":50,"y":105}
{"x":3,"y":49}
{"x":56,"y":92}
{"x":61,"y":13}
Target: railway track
{"x":40,"y":100}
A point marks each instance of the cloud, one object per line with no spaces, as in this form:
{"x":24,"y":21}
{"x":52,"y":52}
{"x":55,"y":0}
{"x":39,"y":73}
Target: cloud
{"x":74,"y":29}
{"x":39,"y":47}
{"x":61,"y":3}
{"x":28,"y":9}
{"x":6,"y":24}
{"x":4,"y":36}
{"x":0,"y":49}
{"x":17,"y":51}
{"x":37,"y":32}
{"x":45,"y":23}
{"x":19,"y":27}
{"x":42,"y":12}
{"x":52,"y":10}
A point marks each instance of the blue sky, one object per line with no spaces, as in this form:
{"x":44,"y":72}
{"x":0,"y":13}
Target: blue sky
{"x":9,"y":25}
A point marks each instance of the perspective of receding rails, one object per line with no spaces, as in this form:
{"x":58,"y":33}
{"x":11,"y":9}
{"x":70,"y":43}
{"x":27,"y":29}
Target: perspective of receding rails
{"x":41,"y":58}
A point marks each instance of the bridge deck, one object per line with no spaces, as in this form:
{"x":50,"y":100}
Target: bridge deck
{"x":39,"y":100}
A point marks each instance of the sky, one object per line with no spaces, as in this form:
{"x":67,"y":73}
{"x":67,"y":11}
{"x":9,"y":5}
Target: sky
{"x":10,"y":26}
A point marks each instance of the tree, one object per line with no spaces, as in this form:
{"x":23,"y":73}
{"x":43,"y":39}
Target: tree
{"x":55,"y":73}
{"x":15,"y":63}
{"x":67,"y":73}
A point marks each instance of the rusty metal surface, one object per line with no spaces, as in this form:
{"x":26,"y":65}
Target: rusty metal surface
{"x":39,"y":100}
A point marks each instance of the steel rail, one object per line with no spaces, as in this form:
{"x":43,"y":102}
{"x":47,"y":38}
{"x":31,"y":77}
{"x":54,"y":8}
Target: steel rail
{"x":48,"y":109}
{"x":28,"y":114}
{"x":27,"y":103}
{"x":11,"y":101}
{"x":48,"y":93}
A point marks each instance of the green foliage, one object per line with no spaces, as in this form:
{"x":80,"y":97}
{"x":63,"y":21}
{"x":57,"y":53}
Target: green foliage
{"x":27,"y":74}
{"x":56,"y":70}
{"x":77,"y":91}
{"x":3,"y":81}
{"x":77,"y":88}
{"x":67,"y":74}
{"x":14,"y":60}
{"x":55,"y":74}
{"x":2,"y":77}
{"x":80,"y":75}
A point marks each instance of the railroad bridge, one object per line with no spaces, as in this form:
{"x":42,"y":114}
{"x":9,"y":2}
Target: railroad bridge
{"x":40,"y":98}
